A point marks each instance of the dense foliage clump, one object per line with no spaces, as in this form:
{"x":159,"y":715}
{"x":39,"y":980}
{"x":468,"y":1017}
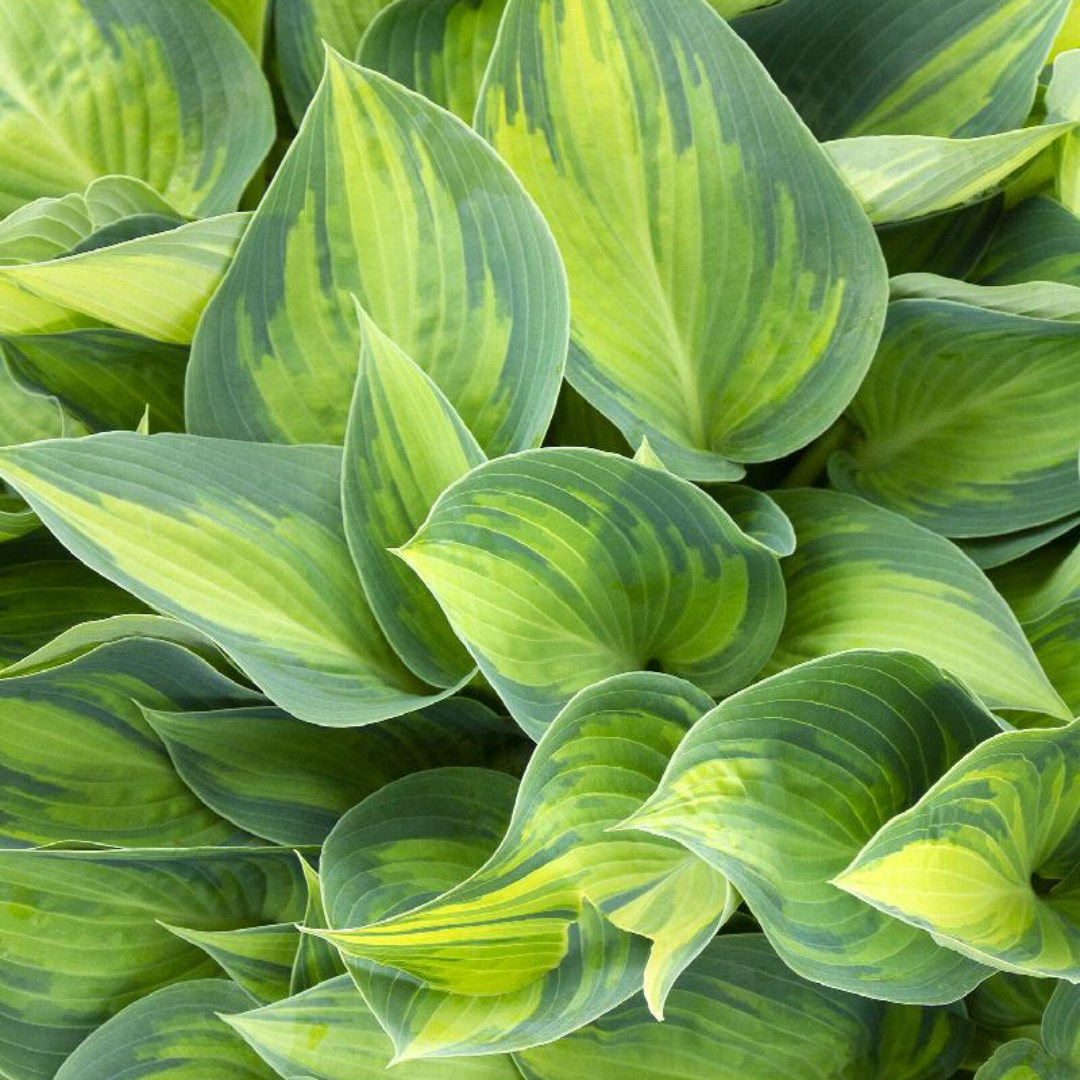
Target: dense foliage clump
{"x":539,"y":539}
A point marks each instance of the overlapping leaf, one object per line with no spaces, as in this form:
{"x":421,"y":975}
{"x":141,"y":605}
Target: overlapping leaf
{"x":862,"y":576}
{"x":242,"y":541}
{"x":440,"y":49}
{"x":404,"y":445}
{"x":907,"y":67}
{"x":171,"y":1034}
{"x":386,"y":197}
{"x":740,"y":1014}
{"x":422,"y":836}
{"x":966,"y":419}
{"x":328,"y":1033}
{"x":80,"y":762}
{"x":80,"y":939}
{"x":560,"y":567}
{"x":508,"y":925}
{"x":94,"y":87}
{"x":277,"y":777}
{"x":989,"y":859}
{"x":727,"y":292}
{"x":781,"y":785}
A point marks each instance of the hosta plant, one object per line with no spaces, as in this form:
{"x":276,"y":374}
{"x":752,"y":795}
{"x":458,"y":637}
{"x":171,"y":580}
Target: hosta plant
{"x":539,"y":539}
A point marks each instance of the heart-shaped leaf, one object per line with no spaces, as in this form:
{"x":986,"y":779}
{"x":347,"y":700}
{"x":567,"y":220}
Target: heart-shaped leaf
{"x":385,"y":197}
{"x":560,"y":567}
{"x":989,"y":859}
{"x":782,"y":784}
{"x":727,"y":290}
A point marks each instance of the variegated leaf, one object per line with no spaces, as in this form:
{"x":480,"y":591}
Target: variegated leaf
{"x":421,"y":836}
{"x":863,"y":577}
{"x":93,"y":87}
{"x":560,"y":567}
{"x":328,"y":1033}
{"x":741,"y":1014}
{"x":988,"y":861}
{"x":385,"y":197}
{"x":907,"y":67}
{"x":242,"y":541}
{"x":80,"y":940}
{"x":172,"y":1034}
{"x":404,"y":446}
{"x":258,"y":959}
{"x":781,"y":785}
{"x":80,"y":763}
{"x":440,"y":49}
{"x":508,"y":925}
{"x":279,"y":778}
{"x":727,"y":290}
{"x":44,"y":592}
{"x":155,"y":285}
{"x":966,"y":421}
{"x":303,"y":29}
{"x":1039,"y":240}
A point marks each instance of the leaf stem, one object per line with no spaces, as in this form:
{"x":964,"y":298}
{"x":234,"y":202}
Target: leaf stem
{"x":808,"y":469}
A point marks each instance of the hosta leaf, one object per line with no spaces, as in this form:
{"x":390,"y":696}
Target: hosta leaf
{"x":508,"y":924}
{"x":757,"y":515}
{"x":440,"y":49}
{"x":104,"y":377}
{"x":316,"y":960}
{"x":258,"y":959}
{"x":1034,"y":299}
{"x":404,"y":446}
{"x":302,"y":29}
{"x":967,"y":420}
{"x":80,"y":763}
{"x":902,"y":177}
{"x":740,"y":1014}
{"x":990,"y":552}
{"x":865,"y":577}
{"x":153,"y":285}
{"x":1056,"y":640}
{"x":1039,"y":240}
{"x":328,"y":1033}
{"x":781,"y":785}
{"x":26,"y":414}
{"x":172,"y":1034}
{"x":386,"y":197}
{"x":731,"y":8}
{"x":561,"y":567}
{"x":80,"y":940}
{"x":250,"y":17}
{"x":726,"y":300}
{"x":419,"y":837}
{"x":16,"y":518}
{"x":43,"y":229}
{"x":87,"y":636}
{"x":1025,"y":1059}
{"x":907,"y":67}
{"x":989,"y":859}
{"x":1042,"y":582}
{"x":43,"y":592}
{"x":279,"y":778}
{"x":93,"y":87}
{"x":242,"y":541}
{"x":950,"y":243}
